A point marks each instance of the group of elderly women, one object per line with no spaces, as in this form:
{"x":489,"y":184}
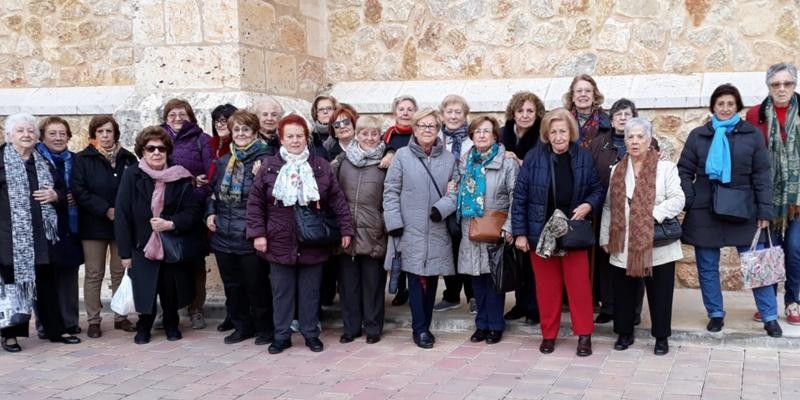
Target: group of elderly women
{"x":296,"y":212}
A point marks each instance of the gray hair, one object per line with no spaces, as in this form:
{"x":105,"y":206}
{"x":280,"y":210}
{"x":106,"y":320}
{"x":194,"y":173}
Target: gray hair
{"x":14,"y":119}
{"x":402,"y":98}
{"x":262,"y":101}
{"x":775,"y":68}
{"x":635,"y":123}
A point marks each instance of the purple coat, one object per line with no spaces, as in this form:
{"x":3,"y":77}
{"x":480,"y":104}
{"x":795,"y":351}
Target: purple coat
{"x":268,"y":218}
{"x":192,"y":150}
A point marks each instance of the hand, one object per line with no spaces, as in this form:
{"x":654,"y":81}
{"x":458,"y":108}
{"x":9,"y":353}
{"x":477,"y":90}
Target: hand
{"x":46,"y":195}
{"x":386,"y":160}
{"x":763,"y":223}
{"x":260,"y":244}
{"x":201,"y":180}
{"x":126,"y":263}
{"x":210,"y":223}
{"x":522,"y":243}
{"x":70,"y":199}
{"x":581,"y":211}
{"x":605,"y":248}
{"x":452,"y":186}
{"x":256,"y":167}
{"x":346,"y":241}
{"x":436,"y":216}
{"x":508,"y":236}
{"x":161,"y":225}
{"x":110,"y":214}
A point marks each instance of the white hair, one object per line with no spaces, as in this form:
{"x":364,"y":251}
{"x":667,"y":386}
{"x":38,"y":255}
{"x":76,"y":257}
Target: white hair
{"x":14,"y":119}
{"x":262,"y":101}
{"x":635,"y":123}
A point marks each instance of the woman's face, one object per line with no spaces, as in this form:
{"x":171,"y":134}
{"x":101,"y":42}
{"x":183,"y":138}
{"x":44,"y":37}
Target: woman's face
{"x":636,"y":142}
{"x":454,"y":116}
{"x":242,"y":135}
{"x":781,"y":88}
{"x":525,"y":116}
{"x":104,"y":134}
{"x":426,"y":131}
{"x":221,"y":124}
{"x":324,"y":111}
{"x":368,"y":138}
{"x":558,"y":136}
{"x":176,"y":117}
{"x":404,"y":112}
{"x":483,"y":136}
{"x":583,"y":96}
{"x":55,"y":137}
{"x":620,"y":118}
{"x":725,"y":107}
{"x":343,"y":128}
{"x":23,"y":137}
{"x":268,"y":116}
{"x":155,"y":154}
{"x":294,"y":139}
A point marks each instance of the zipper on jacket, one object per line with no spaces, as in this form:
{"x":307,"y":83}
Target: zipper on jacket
{"x":355,"y":214}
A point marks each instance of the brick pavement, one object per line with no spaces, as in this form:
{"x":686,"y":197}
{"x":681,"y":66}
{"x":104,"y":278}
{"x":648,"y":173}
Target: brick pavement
{"x":201,"y":367}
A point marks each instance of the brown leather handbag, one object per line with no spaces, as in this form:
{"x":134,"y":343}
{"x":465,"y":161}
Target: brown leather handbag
{"x":487,"y":228}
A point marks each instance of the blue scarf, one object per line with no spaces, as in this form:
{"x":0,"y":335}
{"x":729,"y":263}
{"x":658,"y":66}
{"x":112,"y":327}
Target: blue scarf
{"x":472,"y":190}
{"x":455,"y":137}
{"x":718,"y":162}
{"x":64,"y":158}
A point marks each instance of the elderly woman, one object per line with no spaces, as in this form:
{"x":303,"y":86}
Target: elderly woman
{"x":193,"y":152}
{"x":269,"y":112}
{"x":361,"y":275}
{"x":33,"y":189}
{"x":641,"y":186}
{"x":96,"y":175}
{"x":322,"y":109}
{"x":244,"y":274}
{"x":156,"y":199}
{"x":66,"y":255}
{"x":419,"y":193}
{"x":575,"y":190}
{"x":584,"y":101}
{"x":778,"y":118}
{"x":343,"y":123}
{"x":285,"y":184}
{"x":726,"y":154}
{"x":487,"y":186}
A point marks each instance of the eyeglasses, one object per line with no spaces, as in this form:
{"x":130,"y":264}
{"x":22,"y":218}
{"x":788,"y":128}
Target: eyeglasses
{"x":177,"y":115}
{"x":483,"y":132}
{"x":621,"y":114}
{"x":427,"y":127}
{"x":342,"y":123}
{"x":152,"y":149}
{"x":221,"y":121}
{"x":324,"y":110}
{"x":786,"y":84}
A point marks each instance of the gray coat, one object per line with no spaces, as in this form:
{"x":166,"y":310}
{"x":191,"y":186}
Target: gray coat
{"x":408,"y":197}
{"x":501,"y":174}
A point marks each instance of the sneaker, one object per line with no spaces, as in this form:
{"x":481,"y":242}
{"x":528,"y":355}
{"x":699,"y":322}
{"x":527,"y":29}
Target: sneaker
{"x":473,"y":306}
{"x":793,"y":314}
{"x":757,"y":317}
{"x":198,"y":322}
{"x":445,"y":305}
{"x":295,"y":325}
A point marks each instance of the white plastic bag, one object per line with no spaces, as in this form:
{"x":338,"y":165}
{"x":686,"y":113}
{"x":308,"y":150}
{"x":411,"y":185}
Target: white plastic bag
{"x":122,"y":302}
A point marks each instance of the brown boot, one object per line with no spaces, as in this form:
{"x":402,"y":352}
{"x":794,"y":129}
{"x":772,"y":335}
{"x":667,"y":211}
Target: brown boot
{"x":124,"y":325}
{"x":94,"y":331}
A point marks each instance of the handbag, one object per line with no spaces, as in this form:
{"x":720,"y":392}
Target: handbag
{"x":505,"y":261}
{"x":176,"y":248}
{"x":316,"y":227}
{"x":396,"y":270}
{"x":489,"y":227}
{"x":580,"y":234}
{"x":453,"y":227}
{"x":666,"y":232}
{"x":731,"y":204}
{"x":762,"y":267}
{"x":122,"y":302}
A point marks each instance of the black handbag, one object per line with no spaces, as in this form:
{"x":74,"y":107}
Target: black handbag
{"x":316,"y":226}
{"x":580,"y":234}
{"x":453,"y":227}
{"x":178,"y":248}
{"x":731,"y":204}
{"x":396,"y":270}
{"x":666,"y":232}
{"x":505,"y":261}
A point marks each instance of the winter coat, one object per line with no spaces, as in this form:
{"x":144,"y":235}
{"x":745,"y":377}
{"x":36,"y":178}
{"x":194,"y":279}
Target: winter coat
{"x":532,"y":196}
{"x":231,"y":217}
{"x":408,"y":197}
{"x":757,"y":115}
{"x":363,"y":188}
{"x":94,"y":186}
{"x":521,"y":146}
{"x":274,"y":221}
{"x":132,"y":230}
{"x":501,"y":174}
{"x":751,"y":169}
{"x":68,"y":251}
{"x":606,"y":156}
{"x":192,"y":150}
{"x":668,"y":204}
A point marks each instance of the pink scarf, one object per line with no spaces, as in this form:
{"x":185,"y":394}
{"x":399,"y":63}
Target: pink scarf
{"x":154,"y":250}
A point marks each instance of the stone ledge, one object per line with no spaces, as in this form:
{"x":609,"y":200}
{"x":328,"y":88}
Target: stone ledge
{"x":653,"y":91}
{"x":87,"y":100}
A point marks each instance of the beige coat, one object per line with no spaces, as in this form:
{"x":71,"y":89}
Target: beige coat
{"x":668,"y":203}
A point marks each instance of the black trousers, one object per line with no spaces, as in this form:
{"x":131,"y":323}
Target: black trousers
{"x":604,"y":285}
{"x":328,"y":285}
{"x":659,"y":288}
{"x":300,"y":282}
{"x":454,"y":283}
{"x":45,"y":306}
{"x":66,"y":282}
{"x":248,"y":292}
{"x":167,"y":294}
{"x":361,"y":291}
{"x":421,"y":296}
{"x":525,"y":294}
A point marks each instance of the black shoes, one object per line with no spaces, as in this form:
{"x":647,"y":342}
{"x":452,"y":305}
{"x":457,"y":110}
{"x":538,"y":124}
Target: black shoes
{"x":514,"y":313}
{"x":10,"y":345}
{"x":494,"y":337}
{"x":623,"y":342}
{"x":478,"y":336}
{"x":347,"y":338}
{"x":603,"y":318}
{"x":66,"y":339}
{"x":400,"y":298}
{"x":278,"y":346}
{"x":532,"y":319}
{"x":584,"y":346}
{"x":173,"y":335}
{"x":372,"y":339}
{"x":225,"y":326}
{"x":263,"y":338}
{"x":236,"y":337}
{"x":314,"y":344}
{"x":715,"y":324}
{"x":547,"y":346}
{"x":662,"y":347}
{"x":74,"y":330}
{"x":773,"y":329}
{"x":141,"y":338}
{"x":425,"y":340}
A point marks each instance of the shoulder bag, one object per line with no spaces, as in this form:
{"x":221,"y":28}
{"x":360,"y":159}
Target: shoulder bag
{"x":487,"y":228}
{"x":316,"y":226}
{"x":731,"y":204}
{"x":666,"y":232}
{"x":580,"y":234}
{"x":453,"y":227}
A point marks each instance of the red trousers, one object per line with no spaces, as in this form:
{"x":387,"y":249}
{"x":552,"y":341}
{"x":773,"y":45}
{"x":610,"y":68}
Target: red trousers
{"x":552,"y":275}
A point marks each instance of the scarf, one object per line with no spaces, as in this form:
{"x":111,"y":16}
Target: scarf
{"x":587,"y":127}
{"x":785,"y":159}
{"x":321,"y":132}
{"x":154,"y":250}
{"x":472,"y":189}
{"x":364,"y":158}
{"x":64,"y":158}
{"x":455,"y":137}
{"x":23,"y":291}
{"x":556,"y":227}
{"x":618,"y":141}
{"x":110,"y":154}
{"x":230,"y":190}
{"x":397,"y":129}
{"x":640,"y":221}
{"x":295,"y":183}
{"x":718,"y":162}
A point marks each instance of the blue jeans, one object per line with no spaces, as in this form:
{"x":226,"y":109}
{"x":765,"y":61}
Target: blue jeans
{"x":707,"y":259}
{"x":791,"y":250}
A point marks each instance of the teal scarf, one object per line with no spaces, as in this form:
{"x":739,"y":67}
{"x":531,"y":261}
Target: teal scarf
{"x":230,"y":190}
{"x":718,"y":162}
{"x":472,"y":190}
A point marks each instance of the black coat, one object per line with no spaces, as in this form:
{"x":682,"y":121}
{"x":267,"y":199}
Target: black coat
{"x":750,"y":169}
{"x":68,"y":251}
{"x":132,"y":230}
{"x":521,"y":146}
{"x":94,"y":186}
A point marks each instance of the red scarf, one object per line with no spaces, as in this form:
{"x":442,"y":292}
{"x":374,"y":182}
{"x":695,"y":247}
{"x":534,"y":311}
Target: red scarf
{"x":399,"y":129}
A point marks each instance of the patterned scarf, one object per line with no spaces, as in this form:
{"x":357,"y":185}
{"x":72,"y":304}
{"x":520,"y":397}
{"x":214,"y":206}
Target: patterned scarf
{"x":154,"y":250}
{"x":718,"y":162}
{"x":785,"y":159}
{"x":295,"y":183}
{"x":19,"y":194}
{"x":64,"y":158}
{"x":230,"y":190}
{"x":109,"y":154}
{"x":640,"y":221}
{"x":455,"y":138}
{"x":472,"y":189}
{"x":587,"y":126}
{"x":363,"y":158}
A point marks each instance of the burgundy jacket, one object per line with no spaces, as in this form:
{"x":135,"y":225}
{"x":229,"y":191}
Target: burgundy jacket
{"x":266,"y":217}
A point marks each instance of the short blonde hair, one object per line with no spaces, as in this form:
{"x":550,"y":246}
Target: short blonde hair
{"x":454,"y":99}
{"x":426,"y":112}
{"x":558,"y":114}
{"x":368,"y":122}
